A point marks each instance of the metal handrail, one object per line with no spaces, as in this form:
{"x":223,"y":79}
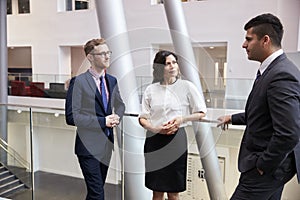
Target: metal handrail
{"x":14,"y":154}
{"x":31,"y":106}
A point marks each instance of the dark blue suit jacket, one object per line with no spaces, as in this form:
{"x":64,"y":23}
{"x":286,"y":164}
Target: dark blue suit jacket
{"x":84,"y":109}
{"x":272,"y":119}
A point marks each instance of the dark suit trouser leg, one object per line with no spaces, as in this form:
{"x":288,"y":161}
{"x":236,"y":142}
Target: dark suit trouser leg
{"x":94,"y":173}
{"x":253,"y":186}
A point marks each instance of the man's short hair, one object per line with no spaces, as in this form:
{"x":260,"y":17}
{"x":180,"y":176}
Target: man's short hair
{"x":90,"y":45}
{"x":266,"y":24}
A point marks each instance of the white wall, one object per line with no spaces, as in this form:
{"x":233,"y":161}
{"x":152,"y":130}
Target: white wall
{"x":210,"y":21}
{"x":45,"y":30}
{"x":215,"y":21}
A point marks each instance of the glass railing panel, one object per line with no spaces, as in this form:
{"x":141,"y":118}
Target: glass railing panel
{"x":236,"y":93}
{"x":16,"y":158}
{"x":54,"y":146}
{"x":50,"y":78}
{"x":54,"y":155}
{"x":20,"y":76}
{"x":53,"y":150}
{"x":218,"y":93}
{"x":142,"y":82}
{"x":38,"y":85}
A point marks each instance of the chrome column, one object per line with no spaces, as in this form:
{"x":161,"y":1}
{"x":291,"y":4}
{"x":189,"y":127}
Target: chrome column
{"x":189,"y":69}
{"x":3,"y":69}
{"x":111,"y":19}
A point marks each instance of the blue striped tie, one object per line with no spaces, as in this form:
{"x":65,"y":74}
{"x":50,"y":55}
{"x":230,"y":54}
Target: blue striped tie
{"x":103,"y":93}
{"x":104,"y":99}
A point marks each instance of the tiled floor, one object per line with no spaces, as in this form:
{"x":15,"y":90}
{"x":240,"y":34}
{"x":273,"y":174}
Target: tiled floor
{"x":57,"y":187}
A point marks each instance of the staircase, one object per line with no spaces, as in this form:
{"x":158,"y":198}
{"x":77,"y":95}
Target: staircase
{"x":15,"y":173}
{"x":9,"y":183}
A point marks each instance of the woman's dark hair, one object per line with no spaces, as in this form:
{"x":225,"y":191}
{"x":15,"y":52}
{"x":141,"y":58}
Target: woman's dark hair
{"x":267,"y":24}
{"x":159,"y":64}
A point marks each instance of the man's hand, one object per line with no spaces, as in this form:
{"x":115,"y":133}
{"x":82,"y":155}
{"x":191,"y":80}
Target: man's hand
{"x":224,"y":121}
{"x":112,"y":120}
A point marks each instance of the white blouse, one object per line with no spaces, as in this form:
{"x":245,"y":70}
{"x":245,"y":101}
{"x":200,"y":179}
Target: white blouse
{"x":162,"y":103}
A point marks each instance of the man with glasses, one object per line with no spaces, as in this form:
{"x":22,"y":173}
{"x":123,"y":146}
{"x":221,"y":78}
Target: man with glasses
{"x":94,"y":105}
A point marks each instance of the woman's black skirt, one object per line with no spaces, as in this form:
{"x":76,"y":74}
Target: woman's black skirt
{"x":166,"y":161}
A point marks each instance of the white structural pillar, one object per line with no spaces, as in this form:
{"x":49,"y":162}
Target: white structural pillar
{"x":189,"y":69}
{"x":3,"y":69}
{"x":113,"y":28}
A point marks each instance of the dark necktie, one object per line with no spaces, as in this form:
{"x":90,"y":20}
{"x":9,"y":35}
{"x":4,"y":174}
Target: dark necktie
{"x":258,"y":74}
{"x":104,"y":101}
{"x":103,"y":92}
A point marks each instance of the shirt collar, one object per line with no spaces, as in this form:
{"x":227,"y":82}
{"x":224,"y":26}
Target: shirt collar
{"x":96,"y":74}
{"x":264,"y":65}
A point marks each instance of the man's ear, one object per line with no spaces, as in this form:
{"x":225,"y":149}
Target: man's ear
{"x":266,"y":40}
{"x":90,"y":57}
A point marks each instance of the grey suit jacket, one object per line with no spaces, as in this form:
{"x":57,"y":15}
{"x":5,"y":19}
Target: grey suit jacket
{"x":272,"y":119}
{"x":84,"y":109}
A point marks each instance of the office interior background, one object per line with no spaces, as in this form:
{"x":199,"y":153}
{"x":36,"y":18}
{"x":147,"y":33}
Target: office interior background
{"x":45,"y":49}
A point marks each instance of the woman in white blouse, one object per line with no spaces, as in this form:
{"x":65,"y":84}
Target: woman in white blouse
{"x":169,"y":104}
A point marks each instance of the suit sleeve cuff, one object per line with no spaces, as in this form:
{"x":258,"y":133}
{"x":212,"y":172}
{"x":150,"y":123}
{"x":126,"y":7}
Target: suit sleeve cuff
{"x":102,"y":121}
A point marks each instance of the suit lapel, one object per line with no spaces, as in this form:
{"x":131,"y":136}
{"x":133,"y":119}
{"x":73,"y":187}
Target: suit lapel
{"x":260,"y":81}
{"x":93,"y":86}
{"x":109,"y":87}
{"x":255,"y":88}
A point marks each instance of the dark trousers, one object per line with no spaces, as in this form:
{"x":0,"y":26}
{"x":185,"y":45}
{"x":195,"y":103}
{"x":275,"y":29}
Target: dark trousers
{"x":94,"y":173}
{"x":253,"y":186}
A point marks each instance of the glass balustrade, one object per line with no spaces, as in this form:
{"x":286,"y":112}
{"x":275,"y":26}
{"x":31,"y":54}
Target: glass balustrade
{"x":42,"y":138}
{"x":220,"y":93}
{"x":16,"y":169}
{"x":38,"y":85}
{"x":38,"y":142}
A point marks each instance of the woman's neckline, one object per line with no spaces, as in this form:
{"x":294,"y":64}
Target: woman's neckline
{"x":170,"y":83}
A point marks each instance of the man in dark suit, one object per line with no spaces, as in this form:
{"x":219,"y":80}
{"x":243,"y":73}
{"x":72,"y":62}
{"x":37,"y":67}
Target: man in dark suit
{"x":270,"y":150}
{"x":94,"y":106}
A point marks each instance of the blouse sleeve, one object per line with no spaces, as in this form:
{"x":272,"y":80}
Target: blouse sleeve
{"x":146,"y":100}
{"x":196,"y":99}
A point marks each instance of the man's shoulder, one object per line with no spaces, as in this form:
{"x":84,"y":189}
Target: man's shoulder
{"x":82,"y":75}
{"x":111,"y":77}
{"x":286,"y":67}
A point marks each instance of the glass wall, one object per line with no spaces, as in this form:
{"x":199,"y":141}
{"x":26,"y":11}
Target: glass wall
{"x":55,"y":86}
{"x":38,"y":85}
{"x":16,"y":161}
{"x":39,"y":149}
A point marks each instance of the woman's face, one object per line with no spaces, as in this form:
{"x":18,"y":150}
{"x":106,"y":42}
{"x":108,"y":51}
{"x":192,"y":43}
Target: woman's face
{"x":171,"y":68}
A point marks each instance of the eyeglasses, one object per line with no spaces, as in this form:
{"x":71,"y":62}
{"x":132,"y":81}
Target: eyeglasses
{"x":103,"y":54}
